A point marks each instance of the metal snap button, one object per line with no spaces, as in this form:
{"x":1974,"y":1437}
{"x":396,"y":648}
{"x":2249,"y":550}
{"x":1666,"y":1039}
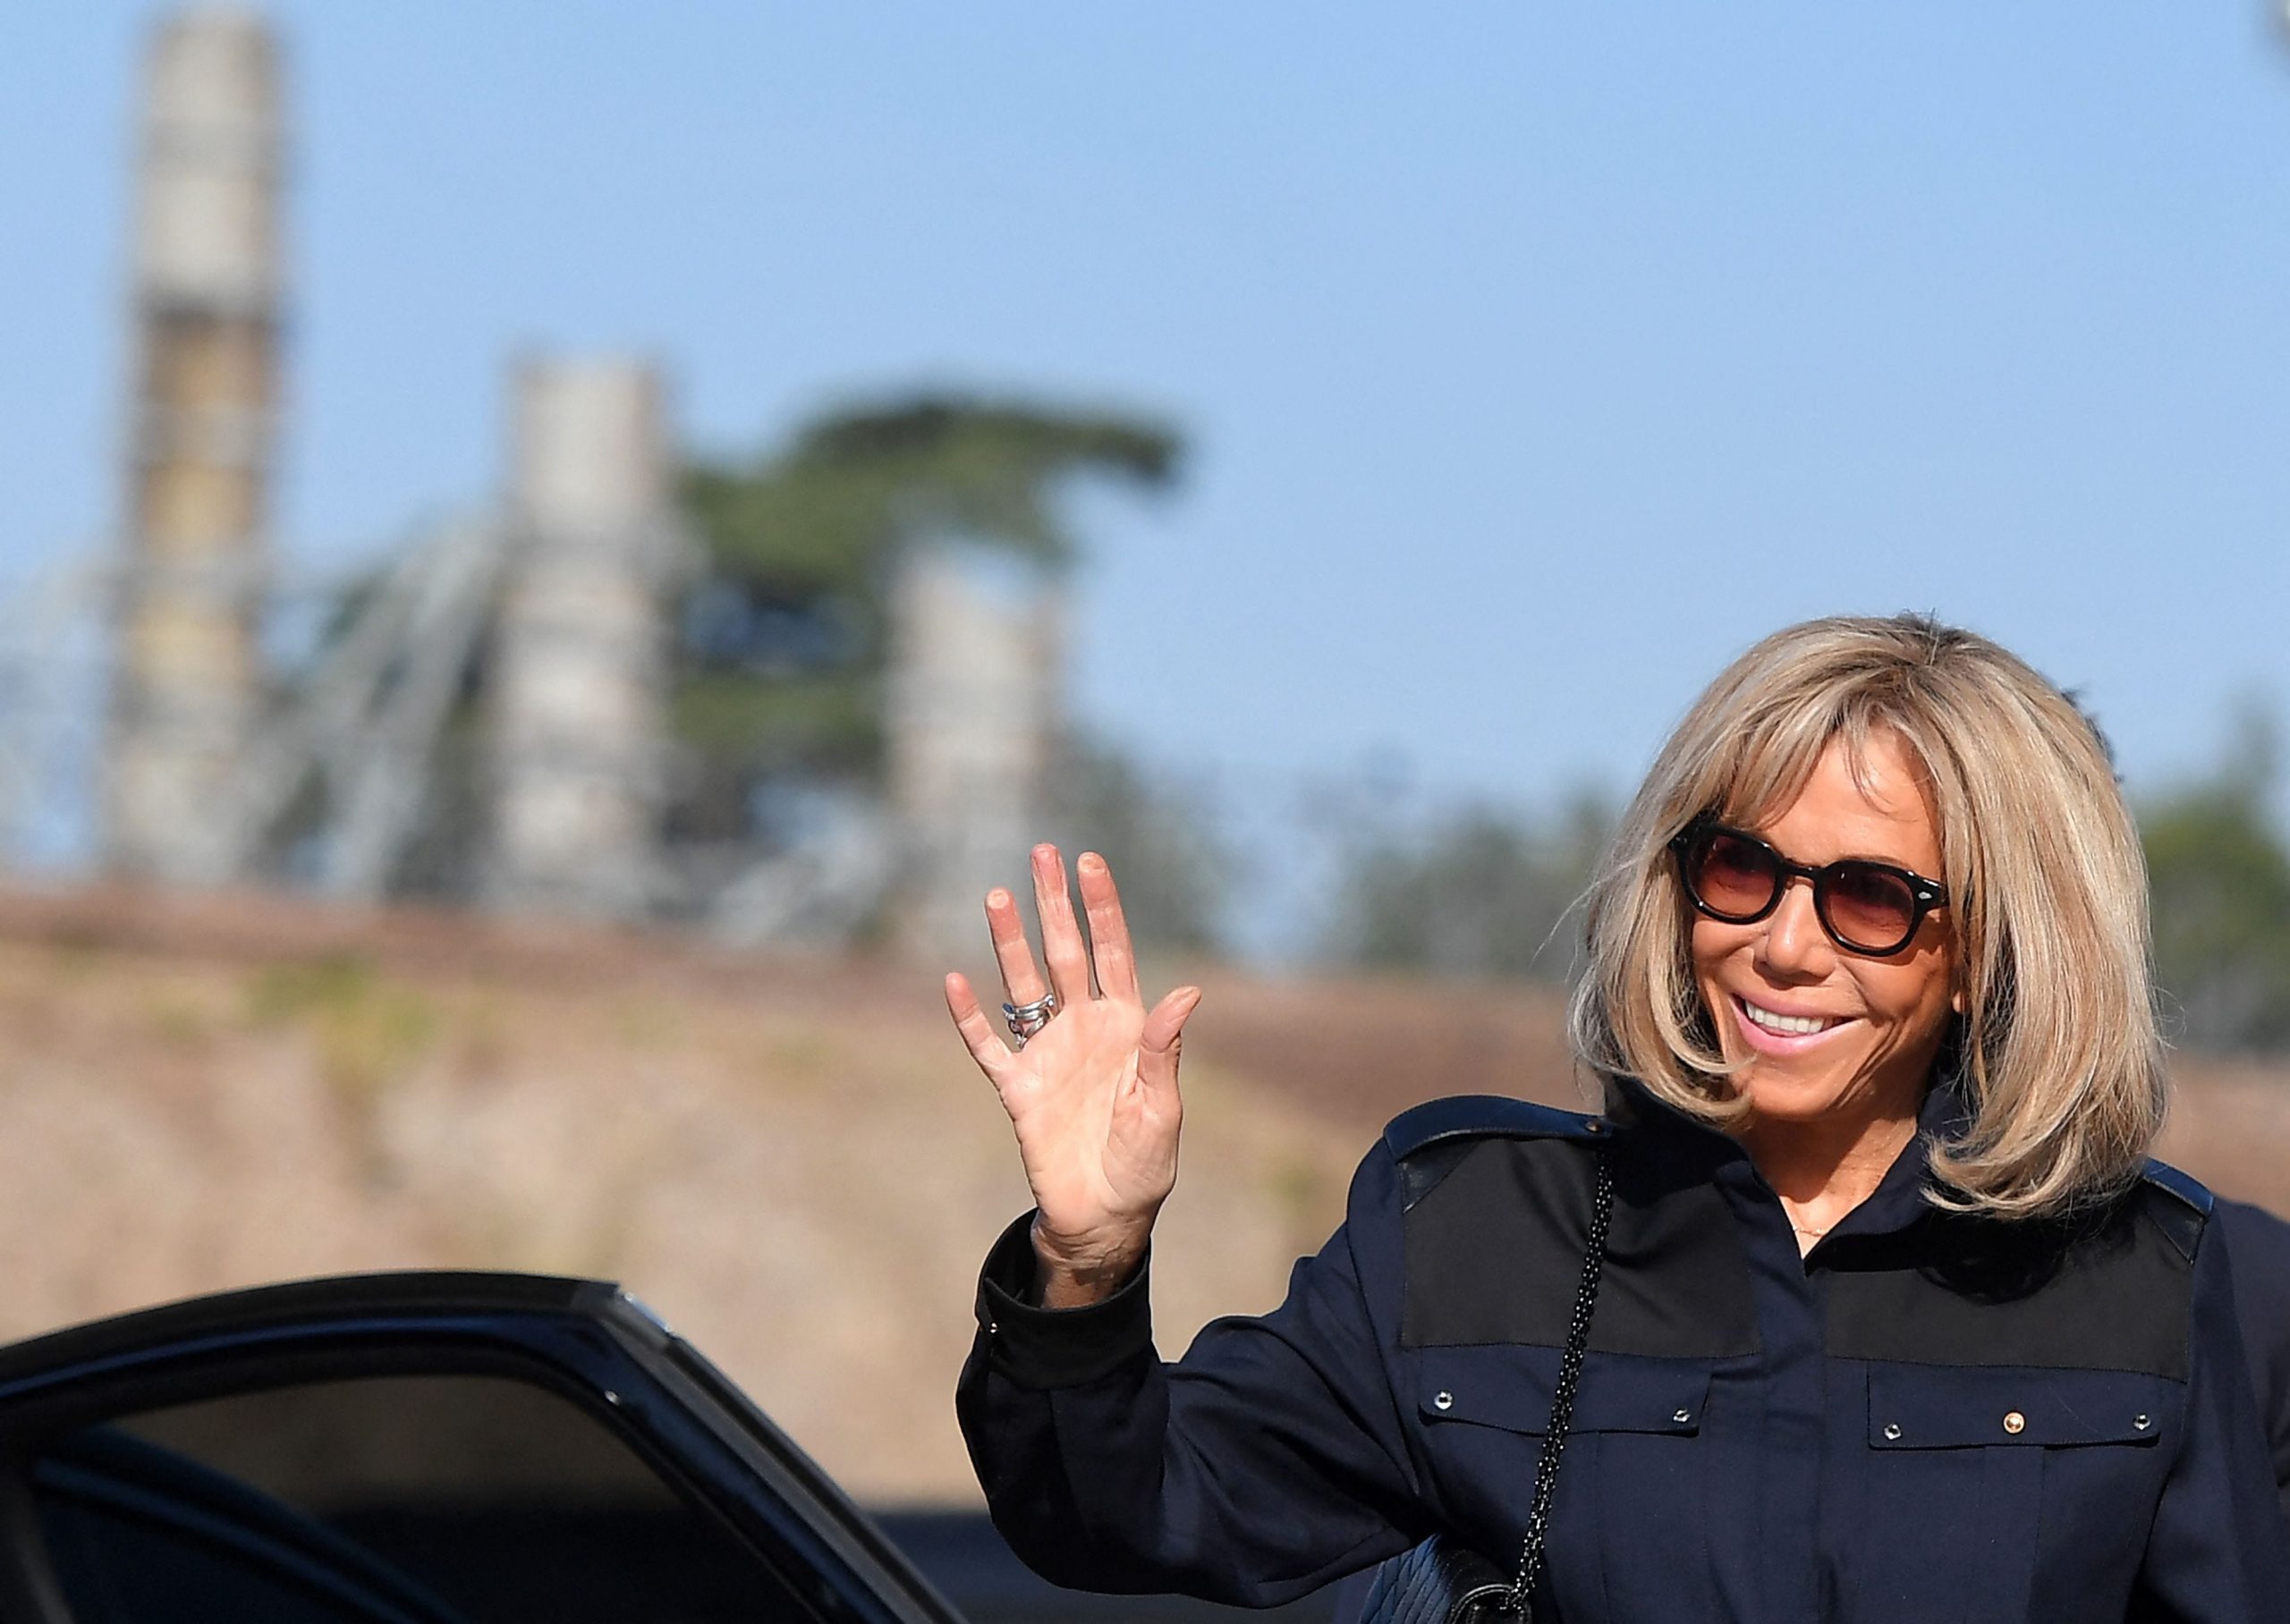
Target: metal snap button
{"x":2015,"y":1422}
{"x":1445,"y":1401}
{"x":1892,"y":1430}
{"x":1683,"y":1414}
{"x":2142,"y":1422}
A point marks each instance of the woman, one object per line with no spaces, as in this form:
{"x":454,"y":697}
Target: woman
{"x":1897,"y":1321}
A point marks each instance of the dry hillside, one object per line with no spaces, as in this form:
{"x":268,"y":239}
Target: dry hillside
{"x":789,"y":1158}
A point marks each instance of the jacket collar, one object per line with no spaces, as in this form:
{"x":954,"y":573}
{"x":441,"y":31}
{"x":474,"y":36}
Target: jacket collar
{"x":1690,"y":1150}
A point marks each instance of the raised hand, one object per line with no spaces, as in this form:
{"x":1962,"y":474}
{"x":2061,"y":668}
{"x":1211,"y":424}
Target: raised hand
{"x":1093,"y":1095}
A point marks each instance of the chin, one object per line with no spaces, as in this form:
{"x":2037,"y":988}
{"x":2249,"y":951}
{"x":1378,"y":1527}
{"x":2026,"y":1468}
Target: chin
{"x":1778,"y":1097}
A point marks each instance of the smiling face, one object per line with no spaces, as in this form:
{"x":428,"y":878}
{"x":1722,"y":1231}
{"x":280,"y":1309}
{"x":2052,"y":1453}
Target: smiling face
{"x":1824,"y":1032}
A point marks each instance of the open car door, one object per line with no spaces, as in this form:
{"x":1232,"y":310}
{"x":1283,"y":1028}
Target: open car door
{"x":419,"y":1449}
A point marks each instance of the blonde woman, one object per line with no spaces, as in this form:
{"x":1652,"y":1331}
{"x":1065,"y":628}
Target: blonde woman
{"x":1877,"y":1309}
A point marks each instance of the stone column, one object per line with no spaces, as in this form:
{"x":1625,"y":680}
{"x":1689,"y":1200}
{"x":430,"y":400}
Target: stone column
{"x":578,"y":711}
{"x":973,"y":714}
{"x":188,"y":684}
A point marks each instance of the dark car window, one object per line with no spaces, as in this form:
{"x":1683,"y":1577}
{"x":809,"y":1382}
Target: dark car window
{"x":430,"y":1498}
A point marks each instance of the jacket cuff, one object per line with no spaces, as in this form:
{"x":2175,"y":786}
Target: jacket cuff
{"x":1039,"y":1347}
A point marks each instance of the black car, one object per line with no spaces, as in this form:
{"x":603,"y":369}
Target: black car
{"x":419,"y":1449}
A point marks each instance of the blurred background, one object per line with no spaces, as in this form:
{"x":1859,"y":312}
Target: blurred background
{"x":553,"y":552}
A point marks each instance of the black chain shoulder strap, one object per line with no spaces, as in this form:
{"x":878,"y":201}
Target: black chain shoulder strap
{"x":1562,"y":1398}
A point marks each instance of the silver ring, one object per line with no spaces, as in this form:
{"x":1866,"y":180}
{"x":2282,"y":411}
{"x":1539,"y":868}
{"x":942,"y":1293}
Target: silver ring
{"x":1025,"y":1019}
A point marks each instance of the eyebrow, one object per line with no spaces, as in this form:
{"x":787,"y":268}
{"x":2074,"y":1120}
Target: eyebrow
{"x":1849,"y":857}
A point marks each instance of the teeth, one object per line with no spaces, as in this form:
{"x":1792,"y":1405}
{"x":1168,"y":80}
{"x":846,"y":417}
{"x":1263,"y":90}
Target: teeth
{"x":1793,"y":1025}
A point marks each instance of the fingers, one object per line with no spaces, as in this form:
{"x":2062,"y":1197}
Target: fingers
{"x":1116,"y":965}
{"x":1162,"y":1041}
{"x":1061,"y":932}
{"x":1021,"y":980}
{"x":978,"y":1036}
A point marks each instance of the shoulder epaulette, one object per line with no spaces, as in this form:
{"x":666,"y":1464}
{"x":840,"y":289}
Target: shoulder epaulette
{"x":2188,"y":1188}
{"x":1430,"y":1139}
{"x":1486,"y":1116}
{"x":2183,"y":1216}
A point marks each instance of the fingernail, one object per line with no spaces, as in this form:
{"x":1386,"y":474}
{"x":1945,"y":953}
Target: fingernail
{"x":1091,"y":861}
{"x":997,"y":898}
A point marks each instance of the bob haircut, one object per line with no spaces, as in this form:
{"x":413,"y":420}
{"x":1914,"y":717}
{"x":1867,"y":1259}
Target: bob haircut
{"x":2058,"y":1047}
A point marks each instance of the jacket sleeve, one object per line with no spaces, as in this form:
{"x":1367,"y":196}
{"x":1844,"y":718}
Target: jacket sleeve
{"x":1267,"y":1461}
{"x":2218,"y":1552}
{"x":2258,"y":1243}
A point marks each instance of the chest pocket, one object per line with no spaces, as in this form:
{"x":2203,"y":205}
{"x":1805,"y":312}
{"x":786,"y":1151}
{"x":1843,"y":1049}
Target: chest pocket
{"x":1632,"y":1469}
{"x":1511,"y":1388}
{"x":1914,"y":1407}
{"x":1968,"y":1467}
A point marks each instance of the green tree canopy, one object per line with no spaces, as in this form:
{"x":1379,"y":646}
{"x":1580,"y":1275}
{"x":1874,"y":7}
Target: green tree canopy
{"x":780,"y":660}
{"x":1159,"y":836}
{"x":1485,"y":893}
{"x":2220,"y":881}
{"x":819,"y":515}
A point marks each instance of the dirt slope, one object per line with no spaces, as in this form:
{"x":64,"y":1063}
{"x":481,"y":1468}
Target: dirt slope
{"x":792,"y":1160}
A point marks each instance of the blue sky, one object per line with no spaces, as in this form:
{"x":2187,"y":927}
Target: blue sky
{"x":1534,"y":360}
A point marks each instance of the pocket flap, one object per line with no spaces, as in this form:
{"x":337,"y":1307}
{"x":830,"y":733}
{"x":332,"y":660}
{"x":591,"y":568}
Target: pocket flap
{"x":1509,"y":1386}
{"x":1925,"y":1406}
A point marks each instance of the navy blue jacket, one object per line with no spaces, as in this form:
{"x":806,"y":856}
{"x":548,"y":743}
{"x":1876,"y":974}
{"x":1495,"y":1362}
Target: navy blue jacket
{"x":1926,"y":1418}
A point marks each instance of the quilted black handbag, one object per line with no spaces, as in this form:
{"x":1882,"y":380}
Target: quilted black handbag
{"x":1443,"y":1582}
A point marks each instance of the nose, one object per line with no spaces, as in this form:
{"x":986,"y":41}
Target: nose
{"x":1794,"y":945}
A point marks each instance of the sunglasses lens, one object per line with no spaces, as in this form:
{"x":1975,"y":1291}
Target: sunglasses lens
{"x":1870,"y":908}
{"x":1732,"y":877}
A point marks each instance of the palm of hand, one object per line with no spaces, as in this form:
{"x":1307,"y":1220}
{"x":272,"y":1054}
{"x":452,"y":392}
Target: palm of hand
{"x":1096,"y":1141}
{"x":1092,"y":1094}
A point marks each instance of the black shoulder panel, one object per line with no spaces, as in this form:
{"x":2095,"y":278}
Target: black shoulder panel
{"x":2111,"y":1288}
{"x":1494,"y":1253}
{"x":1429,"y":1140}
{"x":2183,"y":1216}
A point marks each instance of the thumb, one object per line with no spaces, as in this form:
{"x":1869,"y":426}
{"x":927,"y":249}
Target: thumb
{"x":1162,"y":1041}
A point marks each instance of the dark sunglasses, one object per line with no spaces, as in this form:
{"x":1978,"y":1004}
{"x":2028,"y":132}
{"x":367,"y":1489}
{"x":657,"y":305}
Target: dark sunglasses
{"x":1867,"y":908}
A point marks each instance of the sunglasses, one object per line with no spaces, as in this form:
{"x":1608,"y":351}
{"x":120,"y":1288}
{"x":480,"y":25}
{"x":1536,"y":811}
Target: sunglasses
{"x":1867,"y":908}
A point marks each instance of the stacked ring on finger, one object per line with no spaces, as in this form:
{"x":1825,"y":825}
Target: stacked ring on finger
{"x":1025,"y":1019}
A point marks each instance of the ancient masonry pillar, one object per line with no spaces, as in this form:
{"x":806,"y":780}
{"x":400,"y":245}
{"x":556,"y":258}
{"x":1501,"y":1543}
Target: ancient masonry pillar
{"x":577,"y":683}
{"x":188,"y":680}
{"x":974,"y":706}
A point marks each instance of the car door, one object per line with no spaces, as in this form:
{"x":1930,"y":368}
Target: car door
{"x":419,"y":1449}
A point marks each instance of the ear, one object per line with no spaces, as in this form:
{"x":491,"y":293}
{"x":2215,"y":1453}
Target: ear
{"x":1957,"y":999}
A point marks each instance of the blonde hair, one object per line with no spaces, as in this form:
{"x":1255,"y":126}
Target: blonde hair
{"x":2058,"y":1048}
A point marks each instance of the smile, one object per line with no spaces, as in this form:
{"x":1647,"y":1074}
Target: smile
{"x":1778,"y":1025}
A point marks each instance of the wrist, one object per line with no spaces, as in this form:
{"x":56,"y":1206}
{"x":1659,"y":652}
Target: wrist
{"x":1076,"y":1273}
